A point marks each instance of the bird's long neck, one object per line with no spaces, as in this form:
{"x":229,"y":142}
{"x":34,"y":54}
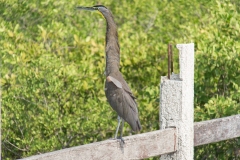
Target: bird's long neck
{"x":112,"y":47}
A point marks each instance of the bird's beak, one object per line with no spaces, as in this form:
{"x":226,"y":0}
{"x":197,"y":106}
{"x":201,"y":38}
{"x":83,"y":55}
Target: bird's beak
{"x":90,"y":9}
{"x":87,"y":8}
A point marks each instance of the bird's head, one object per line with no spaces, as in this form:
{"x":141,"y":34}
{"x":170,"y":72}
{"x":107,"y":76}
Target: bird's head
{"x":99,"y":8}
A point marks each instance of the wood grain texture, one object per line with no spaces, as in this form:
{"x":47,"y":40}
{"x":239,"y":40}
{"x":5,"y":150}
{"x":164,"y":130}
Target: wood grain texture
{"x":150,"y":144}
{"x":136,"y":147}
{"x":216,"y":130}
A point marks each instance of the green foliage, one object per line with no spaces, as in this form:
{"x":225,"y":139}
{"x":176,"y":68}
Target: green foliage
{"x":217,"y":79}
{"x":52,"y":65}
{"x":218,"y":107}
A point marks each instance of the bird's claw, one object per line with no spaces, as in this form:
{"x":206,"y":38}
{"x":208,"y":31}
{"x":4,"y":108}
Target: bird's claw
{"x":122,"y":140}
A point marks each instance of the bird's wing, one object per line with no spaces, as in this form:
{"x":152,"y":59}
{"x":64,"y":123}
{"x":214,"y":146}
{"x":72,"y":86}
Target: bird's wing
{"x":121,"y":83}
{"x":130,"y":100}
{"x":122,"y":100}
{"x":115,"y":81}
{"x":127,"y":89}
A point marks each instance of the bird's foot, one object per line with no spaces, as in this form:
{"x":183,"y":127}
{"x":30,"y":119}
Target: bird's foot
{"x":116,"y":138}
{"x":122,"y":140}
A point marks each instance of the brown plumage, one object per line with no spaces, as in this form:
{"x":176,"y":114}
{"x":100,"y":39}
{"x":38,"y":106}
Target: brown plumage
{"x":117,"y":90}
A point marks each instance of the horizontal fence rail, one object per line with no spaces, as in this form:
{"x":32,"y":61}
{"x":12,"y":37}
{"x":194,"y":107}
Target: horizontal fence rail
{"x":149,"y":144}
{"x":136,"y":147}
{"x":216,"y":130}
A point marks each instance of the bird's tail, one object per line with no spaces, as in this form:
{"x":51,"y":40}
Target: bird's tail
{"x":138,"y":127}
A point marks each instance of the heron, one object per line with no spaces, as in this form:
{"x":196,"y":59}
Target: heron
{"x":117,"y":91}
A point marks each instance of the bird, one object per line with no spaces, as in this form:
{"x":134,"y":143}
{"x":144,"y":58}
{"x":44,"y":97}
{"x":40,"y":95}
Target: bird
{"x":117,"y":91}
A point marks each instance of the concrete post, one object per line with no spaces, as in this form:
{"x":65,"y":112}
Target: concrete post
{"x":176,"y":104}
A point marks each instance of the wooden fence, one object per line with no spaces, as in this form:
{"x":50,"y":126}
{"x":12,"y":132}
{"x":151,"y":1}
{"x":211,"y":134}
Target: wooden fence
{"x":178,"y":134}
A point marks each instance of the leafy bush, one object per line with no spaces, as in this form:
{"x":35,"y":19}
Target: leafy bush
{"x":52,"y":65}
{"x":217,"y":77}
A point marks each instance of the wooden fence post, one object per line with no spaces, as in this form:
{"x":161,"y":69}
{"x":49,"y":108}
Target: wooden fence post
{"x":176,"y":104}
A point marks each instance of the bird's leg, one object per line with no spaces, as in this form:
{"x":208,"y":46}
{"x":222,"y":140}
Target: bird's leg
{"x":122,"y":140}
{"x":119,"y":121}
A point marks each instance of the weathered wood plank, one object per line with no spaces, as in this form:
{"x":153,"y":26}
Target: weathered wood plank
{"x":149,"y":144}
{"x":136,"y":147}
{"x":216,"y":130}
